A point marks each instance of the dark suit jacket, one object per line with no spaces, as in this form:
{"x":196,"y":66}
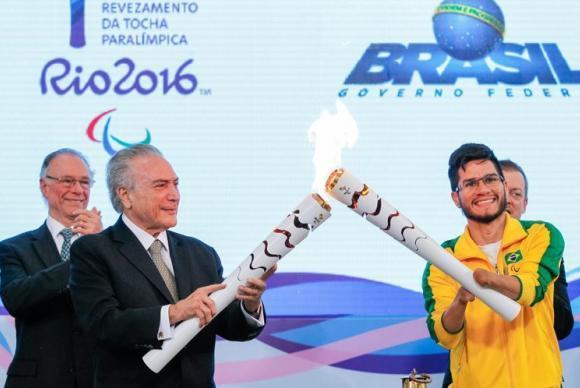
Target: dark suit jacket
{"x":563,"y":317}
{"x":51,"y":350}
{"x":118,"y":294}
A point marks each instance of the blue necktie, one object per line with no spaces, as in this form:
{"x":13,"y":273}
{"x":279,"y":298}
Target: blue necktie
{"x":67,"y":233}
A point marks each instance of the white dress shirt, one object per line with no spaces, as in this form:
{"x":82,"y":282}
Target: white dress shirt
{"x":165,"y":330}
{"x":55,"y":227}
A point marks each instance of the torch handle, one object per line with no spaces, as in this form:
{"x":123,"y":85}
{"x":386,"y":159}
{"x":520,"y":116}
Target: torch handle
{"x":157,"y":359}
{"x":309,"y":214}
{"x":446,"y":262}
{"x":399,"y":227}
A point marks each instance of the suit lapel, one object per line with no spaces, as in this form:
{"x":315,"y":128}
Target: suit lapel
{"x":135,"y":253}
{"x":45,"y":246}
{"x":181,"y":265}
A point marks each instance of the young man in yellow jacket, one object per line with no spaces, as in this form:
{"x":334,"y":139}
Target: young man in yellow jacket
{"x":520,"y":259}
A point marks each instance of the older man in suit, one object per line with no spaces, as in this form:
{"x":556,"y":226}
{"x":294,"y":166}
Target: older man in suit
{"x":132,"y":283}
{"x":51,"y":349}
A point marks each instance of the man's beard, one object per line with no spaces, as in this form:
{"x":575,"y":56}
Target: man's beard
{"x":486,"y":219}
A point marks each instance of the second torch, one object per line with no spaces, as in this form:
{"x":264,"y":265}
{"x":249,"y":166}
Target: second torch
{"x":346,"y":188}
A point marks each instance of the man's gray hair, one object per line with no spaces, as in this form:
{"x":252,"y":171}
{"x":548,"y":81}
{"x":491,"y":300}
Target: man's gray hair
{"x":119,"y":172}
{"x":64,"y":151}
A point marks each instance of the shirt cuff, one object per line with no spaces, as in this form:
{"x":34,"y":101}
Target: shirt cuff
{"x":165,"y":329}
{"x":256,"y":319}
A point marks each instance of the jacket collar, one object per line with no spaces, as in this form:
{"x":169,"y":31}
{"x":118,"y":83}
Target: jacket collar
{"x":466,"y":248}
{"x":44,"y":245}
{"x":132,"y":249}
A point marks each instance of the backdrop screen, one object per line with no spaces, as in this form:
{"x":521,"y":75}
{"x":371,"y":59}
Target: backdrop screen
{"x":228,"y":91}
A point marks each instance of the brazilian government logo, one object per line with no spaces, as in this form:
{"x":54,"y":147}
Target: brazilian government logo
{"x":468,"y":29}
{"x":513,"y":257}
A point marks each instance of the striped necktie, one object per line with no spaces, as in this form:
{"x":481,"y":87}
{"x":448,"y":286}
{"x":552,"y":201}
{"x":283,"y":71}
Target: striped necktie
{"x":168,"y":279}
{"x":67,"y":234}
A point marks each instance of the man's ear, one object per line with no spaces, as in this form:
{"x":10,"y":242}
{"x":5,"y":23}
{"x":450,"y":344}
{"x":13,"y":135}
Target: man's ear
{"x":123,"y":195}
{"x":43,"y":187}
{"x":455,"y":198}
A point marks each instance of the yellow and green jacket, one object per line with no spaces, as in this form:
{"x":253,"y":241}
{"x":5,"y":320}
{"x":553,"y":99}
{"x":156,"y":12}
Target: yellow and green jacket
{"x":489,"y":351}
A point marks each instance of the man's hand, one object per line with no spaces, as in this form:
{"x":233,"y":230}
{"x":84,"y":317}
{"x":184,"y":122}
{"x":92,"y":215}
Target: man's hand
{"x":454,"y":316}
{"x":463,"y":297}
{"x":507,"y":285}
{"x":251,"y":293}
{"x":484,"y":278}
{"x":197,"y":304}
{"x":87,"y":221}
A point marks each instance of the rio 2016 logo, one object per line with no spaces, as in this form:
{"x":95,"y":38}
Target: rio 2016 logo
{"x":77,"y":23}
{"x":123,"y":77}
{"x":62,"y":77}
{"x":107,"y":137}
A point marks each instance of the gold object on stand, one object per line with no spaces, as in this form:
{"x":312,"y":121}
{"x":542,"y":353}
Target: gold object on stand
{"x":416,"y":380}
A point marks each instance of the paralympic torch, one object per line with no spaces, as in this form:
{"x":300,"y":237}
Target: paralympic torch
{"x":346,"y":188}
{"x":307,"y":216}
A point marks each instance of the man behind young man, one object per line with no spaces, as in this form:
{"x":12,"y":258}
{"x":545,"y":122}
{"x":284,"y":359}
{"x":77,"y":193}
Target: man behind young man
{"x":134,"y":281}
{"x":517,"y":202}
{"x":51,"y":350}
{"x":518,"y":259}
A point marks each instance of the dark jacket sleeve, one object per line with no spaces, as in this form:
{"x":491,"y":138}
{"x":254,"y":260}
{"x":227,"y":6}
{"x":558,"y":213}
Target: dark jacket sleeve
{"x":96,"y":304}
{"x":563,"y":317}
{"x":25,"y":291}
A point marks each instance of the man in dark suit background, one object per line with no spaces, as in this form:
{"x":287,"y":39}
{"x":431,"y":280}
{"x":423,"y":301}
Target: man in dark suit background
{"x":517,"y":202}
{"x":132,"y":283}
{"x":51,"y":350}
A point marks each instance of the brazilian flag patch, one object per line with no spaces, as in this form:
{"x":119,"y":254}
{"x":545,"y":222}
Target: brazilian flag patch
{"x":513,"y":257}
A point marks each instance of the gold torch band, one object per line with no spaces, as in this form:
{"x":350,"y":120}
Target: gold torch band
{"x":333,"y":179}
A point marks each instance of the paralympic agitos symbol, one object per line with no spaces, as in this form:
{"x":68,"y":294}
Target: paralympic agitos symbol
{"x":106,"y":139}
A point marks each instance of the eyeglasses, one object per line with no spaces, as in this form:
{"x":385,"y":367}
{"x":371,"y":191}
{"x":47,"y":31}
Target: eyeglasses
{"x":489,"y":180}
{"x":69,"y":181}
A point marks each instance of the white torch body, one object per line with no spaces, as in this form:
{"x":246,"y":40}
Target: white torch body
{"x":347,"y":189}
{"x":307,"y":216}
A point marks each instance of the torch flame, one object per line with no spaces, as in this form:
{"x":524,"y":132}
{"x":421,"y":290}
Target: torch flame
{"x":330,"y":133}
